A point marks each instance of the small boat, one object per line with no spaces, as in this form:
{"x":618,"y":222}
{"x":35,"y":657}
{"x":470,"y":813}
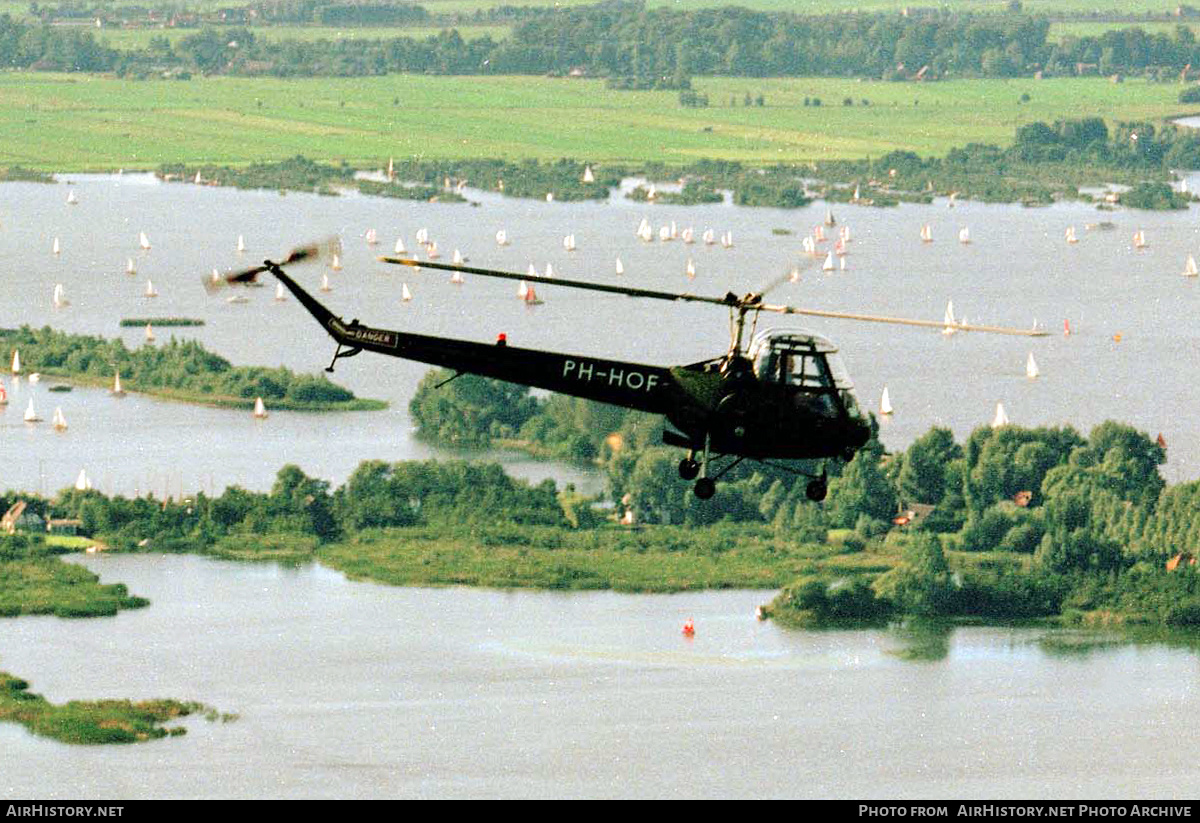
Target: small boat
{"x":1066,"y":327}
{"x":1031,"y":368}
{"x":708,"y":237}
{"x":143,"y":241}
{"x":260,"y":411}
{"x":431,"y":251}
{"x":198,"y":179}
{"x":549,"y":270}
{"x":280,"y":295}
{"x":1139,"y":240}
{"x":325,"y":283}
{"x":405,"y":294}
{"x":569,"y":242}
{"x":422,"y":236}
{"x":857,"y":194}
{"x":691,"y":269}
{"x":795,"y":275}
{"x":549,"y":197}
{"x":926,"y":233}
{"x":953,"y":197}
{"x":839,"y":248}
{"x":237,"y":298}
{"x":36,"y":376}
{"x":457,"y":259}
{"x":400,"y":246}
{"x":241,"y":244}
{"x":664,"y":234}
{"x":1001,"y":419}
{"x":819,"y":233}
{"x":60,"y":297}
{"x":809,"y":245}
{"x":16,"y":361}
{"x":828,"y":264}
{"x":150,"y":290}
{"x":620,"y":266}
{"x":3,"y":395}
{"x":501,"y":238}
{"x":457,"y":279}
{"x":844,"y":234}
{"x":30,"y":414}
{"x":829,"y":218}
{"x":588,"y":177}
{"x":371,"y":237}
{"x":82,"y":482}
{"x":964,"y":235}
{"x":531,"y":271}
{"x":391,"y":169}
{"x":132,"y":269}
{"x":60,"y":421}
{"x":57,"y":248}
{"x":531,"y":298}
{"x":1189,"y":268}
{"x":1070,"y":235}
{"x":149,"y":334}
{"x":336,"y":263}
{"x":689,"y":235}
{"x":72,"y":200}
{"x":522,"y":290}
{"x":727,"y":240}
{"x":885,"y":402}
{"x":949,"y":323}
{"x":117,"y":391}
{"x":842,"y":263}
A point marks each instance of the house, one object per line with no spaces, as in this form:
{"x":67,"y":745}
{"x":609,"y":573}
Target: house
{"x":64,"y":526}
{"x":1181,"y":559}
{"x":912,"y":514}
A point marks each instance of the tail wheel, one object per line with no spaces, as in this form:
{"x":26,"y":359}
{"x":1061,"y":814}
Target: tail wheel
{"x":816,"y":490}
{"x":688,"y":468}
{"x":705,"y":488}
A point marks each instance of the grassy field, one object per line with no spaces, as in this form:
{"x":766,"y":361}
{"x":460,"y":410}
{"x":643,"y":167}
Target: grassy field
{"x":79,"y":122}
{"x":137,"y":39}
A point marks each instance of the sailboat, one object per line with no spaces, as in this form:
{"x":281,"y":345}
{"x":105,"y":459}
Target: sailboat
{"x":588,"y":177}
{"x":1070,"y":235}
{"x":57,"y":248}
{"x":819,"y":233}
{"x":885,"y":402}
{"x":143,"y":241}
{"x":532,"y":271}
{"x":522,"y":290}
{"x":809,"y":245}
{"x":405,"y":294}
{"x":30,"y":414}
{"x":280,"y":295}
{"x":3,"y":394}
{"x":664,"y":233}
{"x":60,"y":422}
{"x":727,"y":240}
{"x":569,"y":242}
{"x":241,"y":244}
{"x":391,"y":169}
{"x":828,"y":264}
{"x":949,"y":322}
{"x":620,"y":266}
{"x":336,"y":263}
{"x":72,"y":200}
{"x":132,"y":269}
{"x":325,"y":283}
{"x":964,"y":235}
{"x":400,"y":246}
{"x":117,"y":391}
{"x":926,"y":233}
{"x":82,"y":482}
{"x":60,"y":297}
{"x":422,"y":236}
{"x":457,"y":279}
{"x":708,"y":237}
{"x":431,"y":251}
{"x":1189,"y":269}
{"x":531,"y":298}
{"x":839,"y":248}
{"x":501,"y":238}
{"x":457,"y":259}
{"x":260,"y":411}
{"x":150,"y":290}
{"x":149,"y":334}
{"x":829,"y":219}
{"x":16,"y":361}
{"x":691,"y":269}
{"x":1031,"y":368}
{"x":198,"y":179}
{"x":1139,"y":239}
{"x":372,"y":237}
{"x":689,"y":235}
{"x":1001,"y":419}
{"x":857,"y":194}
{"x":549,"y":270}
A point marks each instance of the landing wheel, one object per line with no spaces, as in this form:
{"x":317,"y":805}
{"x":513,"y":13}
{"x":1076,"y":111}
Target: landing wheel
{"x":688,"y":468}
{"x":848,"y":454}
{"x":816,"y":490}
{"x":705,"y":488}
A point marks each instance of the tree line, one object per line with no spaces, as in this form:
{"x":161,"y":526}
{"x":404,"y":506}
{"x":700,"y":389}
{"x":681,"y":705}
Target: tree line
{"x":621,"y":39}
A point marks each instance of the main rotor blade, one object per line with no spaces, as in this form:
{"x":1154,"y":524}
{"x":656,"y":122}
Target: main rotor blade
{"x":903,"y":321}
{"x":728,"y":300}
{"x":249,"y":275}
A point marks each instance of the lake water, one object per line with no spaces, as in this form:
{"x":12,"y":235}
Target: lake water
{"x":1017,"y":269}
{"x":358,"y":690}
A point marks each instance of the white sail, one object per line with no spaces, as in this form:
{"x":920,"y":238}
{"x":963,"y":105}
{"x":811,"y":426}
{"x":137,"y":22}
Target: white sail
{"x":56,"y":248}
{"x":325,"y":283}
{"x":949,"y":322}
{"x":689,"y":235}
{"x":927,"y":233}
{"x":405,"y":294}
{"x":82,"y":482}
{"x":150,"y":290}
{"x":549,"y":197}
{"x":279,"y":293}
{"x":60,"y":297}
{"x":522,"y":290}
{"x":502,"y":238}
{"x":1070,"y":235}
{"x":809,"y":245}
{"x":132,"y":269}
{"x":372,"y":237}
{"x":1001,"y":419}
{"x":856,"y":194}
{"x":117,"y":391}
{"x":336,"y":264}
{"x":457,"y":259}
{"x":60,"y":421}
{"x":964,"y":235}
{"x":143,"y":240}
{"x":149,"y":334}
{"x":588,"y":177}
{"x":241,"y":243}
{"x":198,"y":179}
{"x":885,"y":402}
{"x":30,"y":414}
{"x":431,"y":251}
{"x":549,"y":270}
{"x":1031,"y":367}
{"x":391,"y":169}
{"x":829,"y":218}
{"x":1189,"y":268}
{"x":691,"y":269}
{"x":456,"y":278}
{"x":664,"y":233}
{"x":708,"y":237}
{"x":399,"y":248}
{"x":532,"y":271}
{"x":795,"y":275}
{"x":260,"y":410}
{"x":842,"y":263}
{"x":828,"y":264}
{"x":16,"y":362}
{"x":569,"y":242}
{"x":1139,"y":239}
{"x":71,"y":198}
{"x":620,"y":266}
{"x":422,"y":236}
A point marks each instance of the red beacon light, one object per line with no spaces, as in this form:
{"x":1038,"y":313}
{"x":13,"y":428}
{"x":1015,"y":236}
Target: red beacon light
{"x":502,"y":339}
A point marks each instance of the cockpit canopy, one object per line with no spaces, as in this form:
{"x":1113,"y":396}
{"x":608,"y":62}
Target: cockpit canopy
{"x":805,"y":359}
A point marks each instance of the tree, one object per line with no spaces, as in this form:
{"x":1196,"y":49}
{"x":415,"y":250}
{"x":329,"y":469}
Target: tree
{"x":922,"y":476}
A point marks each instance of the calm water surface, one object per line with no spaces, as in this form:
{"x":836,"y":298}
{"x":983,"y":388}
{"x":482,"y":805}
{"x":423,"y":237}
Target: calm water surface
{"x":358,"y":690}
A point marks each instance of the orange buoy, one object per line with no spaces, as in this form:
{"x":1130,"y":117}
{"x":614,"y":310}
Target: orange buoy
{"x":1117,"y":337}
{"x":689,"y":628}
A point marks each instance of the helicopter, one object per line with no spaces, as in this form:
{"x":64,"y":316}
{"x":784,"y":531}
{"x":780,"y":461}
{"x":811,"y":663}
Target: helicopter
{"x":772,"y":395}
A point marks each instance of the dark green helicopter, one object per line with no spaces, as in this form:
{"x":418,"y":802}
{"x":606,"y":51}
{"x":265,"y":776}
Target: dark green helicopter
{"x":770,"y":396}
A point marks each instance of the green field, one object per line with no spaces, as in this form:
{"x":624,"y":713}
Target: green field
{"x":79,"y":122}
{"x":139,"y":39}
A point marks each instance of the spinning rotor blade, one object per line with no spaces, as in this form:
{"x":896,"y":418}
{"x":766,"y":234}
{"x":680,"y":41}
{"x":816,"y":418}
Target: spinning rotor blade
{"x":296,"y":255}
{"x":750,"y":302}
